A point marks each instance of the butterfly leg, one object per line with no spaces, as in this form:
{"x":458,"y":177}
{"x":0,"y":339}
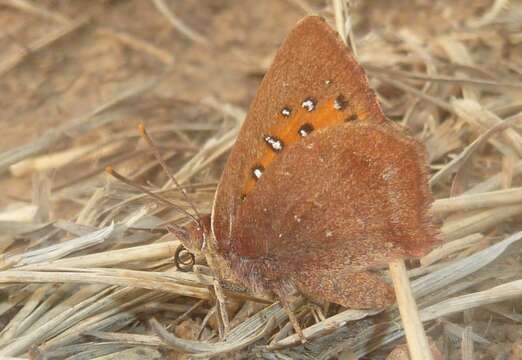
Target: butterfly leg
{"x":317,"y":310}
{"x":221,"y":306}
{"x":283,"y":300}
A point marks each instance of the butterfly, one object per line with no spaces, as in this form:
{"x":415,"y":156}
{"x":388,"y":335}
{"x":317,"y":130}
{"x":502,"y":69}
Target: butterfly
{"x":320,"y":188}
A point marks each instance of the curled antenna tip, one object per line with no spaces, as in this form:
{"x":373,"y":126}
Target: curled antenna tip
{"x":141,"y":128}
{"x":109,"y":170}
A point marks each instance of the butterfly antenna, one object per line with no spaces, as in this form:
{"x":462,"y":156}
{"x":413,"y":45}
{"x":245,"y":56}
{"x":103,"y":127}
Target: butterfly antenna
{"x":157,"y":155}
{"x":134,"y":184}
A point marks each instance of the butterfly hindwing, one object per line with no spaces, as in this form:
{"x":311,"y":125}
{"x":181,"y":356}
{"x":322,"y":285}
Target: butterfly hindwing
{"x":348,"y":198}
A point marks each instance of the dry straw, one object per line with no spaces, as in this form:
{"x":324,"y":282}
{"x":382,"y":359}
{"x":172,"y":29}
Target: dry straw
{"x":87,"y":269}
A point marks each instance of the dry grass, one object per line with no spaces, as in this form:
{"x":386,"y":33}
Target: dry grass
{"x":86,"y":265}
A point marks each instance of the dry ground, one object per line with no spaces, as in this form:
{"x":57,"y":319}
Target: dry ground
{"x":77,"y":77}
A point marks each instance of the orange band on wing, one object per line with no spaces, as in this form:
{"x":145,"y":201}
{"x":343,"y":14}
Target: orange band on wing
{"x":306,"y":118}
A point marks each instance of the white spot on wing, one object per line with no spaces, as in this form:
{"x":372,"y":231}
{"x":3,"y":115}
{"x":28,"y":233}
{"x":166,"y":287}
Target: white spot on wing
{"x":274,"y":143}
{"x":308,"y":104}
{"x":258,"y":172}
{"x":286,"y":112}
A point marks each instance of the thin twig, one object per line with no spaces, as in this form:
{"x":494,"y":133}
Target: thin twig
{"x":417,"y":340}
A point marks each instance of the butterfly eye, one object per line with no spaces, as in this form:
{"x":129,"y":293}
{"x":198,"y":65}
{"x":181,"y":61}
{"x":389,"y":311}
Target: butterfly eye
{"x":309,"y":104}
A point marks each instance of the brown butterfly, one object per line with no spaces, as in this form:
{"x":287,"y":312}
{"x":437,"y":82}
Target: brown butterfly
{"x":320,"y":188}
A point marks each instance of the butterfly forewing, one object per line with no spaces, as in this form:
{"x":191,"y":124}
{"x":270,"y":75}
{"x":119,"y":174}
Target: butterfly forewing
{"x":312,"y":83}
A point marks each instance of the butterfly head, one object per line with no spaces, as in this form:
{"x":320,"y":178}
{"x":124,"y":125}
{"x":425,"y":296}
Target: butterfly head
{"x":193,"y":236}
